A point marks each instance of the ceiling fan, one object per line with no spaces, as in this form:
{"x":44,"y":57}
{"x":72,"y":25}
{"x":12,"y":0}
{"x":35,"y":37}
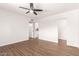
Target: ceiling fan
{"x":32,"y":9}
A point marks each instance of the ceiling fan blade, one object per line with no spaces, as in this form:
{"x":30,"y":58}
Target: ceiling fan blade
{"x":27,"y":12}
{"x":31,"y":6}
{"x":38,"y":10}
{"x":35,"y":13}
{"x":24,"y":8}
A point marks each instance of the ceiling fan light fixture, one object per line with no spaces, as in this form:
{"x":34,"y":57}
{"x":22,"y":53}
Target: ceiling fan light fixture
{"x":31,"y":11}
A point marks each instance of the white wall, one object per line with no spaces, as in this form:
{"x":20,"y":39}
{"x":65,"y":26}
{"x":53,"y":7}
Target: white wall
{"x":13,"y":27}
{"x":49,"y":31}
{"x":71,"y":34}
{"x":73,"y":28}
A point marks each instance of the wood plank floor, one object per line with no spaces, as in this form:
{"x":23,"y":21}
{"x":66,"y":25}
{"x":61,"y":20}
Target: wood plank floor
{"x":43,"y":48}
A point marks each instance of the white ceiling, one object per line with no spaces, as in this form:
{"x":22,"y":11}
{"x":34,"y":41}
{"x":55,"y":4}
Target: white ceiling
{"x":49,"y":8}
